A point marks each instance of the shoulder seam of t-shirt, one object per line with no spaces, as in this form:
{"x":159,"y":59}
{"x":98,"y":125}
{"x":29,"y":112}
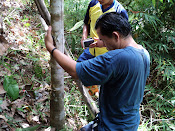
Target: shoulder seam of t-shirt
{"x":93,"y":3}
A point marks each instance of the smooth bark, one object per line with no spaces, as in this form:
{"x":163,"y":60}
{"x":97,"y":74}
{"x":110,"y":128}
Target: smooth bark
{"x":57,"y":114}
{"x":86,"y":97}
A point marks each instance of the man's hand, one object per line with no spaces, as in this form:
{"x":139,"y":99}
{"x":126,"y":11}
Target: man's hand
{"x":86,"y":29}
{"x":98,"y":43}
{"x":82,"y":42}
{"x":63,"y":60}
{"x":49,"y":39}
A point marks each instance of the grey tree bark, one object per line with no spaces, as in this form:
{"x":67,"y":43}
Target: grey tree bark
{"x":57,"y":114}
{"x":43,"y":11}
{"x":55,"y":19}
{"x":86,"y":97}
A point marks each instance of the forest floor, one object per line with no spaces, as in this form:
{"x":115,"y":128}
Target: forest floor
{"x":24,"y":65}
{"x":24,"y":57}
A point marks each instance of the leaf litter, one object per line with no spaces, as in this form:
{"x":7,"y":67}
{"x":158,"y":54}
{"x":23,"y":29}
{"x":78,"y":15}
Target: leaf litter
{"x":22,"y":58}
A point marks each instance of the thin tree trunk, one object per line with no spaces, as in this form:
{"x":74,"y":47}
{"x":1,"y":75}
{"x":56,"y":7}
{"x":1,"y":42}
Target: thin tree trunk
{"x":86,"y":97}
{"x":57,"y":114}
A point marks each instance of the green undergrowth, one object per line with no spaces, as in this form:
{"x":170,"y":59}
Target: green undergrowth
{"x":25,"y":66}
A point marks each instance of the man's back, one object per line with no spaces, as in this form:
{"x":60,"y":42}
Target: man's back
{"x":122,"y":74}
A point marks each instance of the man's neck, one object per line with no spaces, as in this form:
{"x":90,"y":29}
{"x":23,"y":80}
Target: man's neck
{"x":107,"y":4}
{"x":129,"y":41}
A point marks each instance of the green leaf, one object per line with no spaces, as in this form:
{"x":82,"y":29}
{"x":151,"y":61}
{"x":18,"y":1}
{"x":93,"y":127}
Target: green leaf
{"x":30,"y":128}
{"x":146,"y":33}
{"x":165,"y":47}
{"x":10,"y":85}
{"x":173,"y":40}
{"x":161,"y":1}
{"x":131,"y":18}
{"x":6,"y":19}
{"x":146,"y":17}
{"x":149,"y":45}
{"x":18,"y":129}
{"x":27,"y":24}
{"x":77,"y":25}
{"x":6,"y":66}
{"x":154,"y":2}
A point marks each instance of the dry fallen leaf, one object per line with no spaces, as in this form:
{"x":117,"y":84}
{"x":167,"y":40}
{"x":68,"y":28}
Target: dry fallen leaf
{"x":21,"y":33}
{"x":2,"y":49}
{"x":4,"y":105}
{"x":50,"y":129}
{"x":3,"y":117}
{"x":21,"y":42}
{"x":23,"y":114}
{"x":2,"y":91}
{"x":19,"y":103}
{"x":29,"y":118}
{"x":3,"y":40}
{"x":24,"y":125}
{"x":36,"y":119}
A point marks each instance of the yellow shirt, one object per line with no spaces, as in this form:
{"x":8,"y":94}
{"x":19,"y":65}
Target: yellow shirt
{"x":94,"y":11}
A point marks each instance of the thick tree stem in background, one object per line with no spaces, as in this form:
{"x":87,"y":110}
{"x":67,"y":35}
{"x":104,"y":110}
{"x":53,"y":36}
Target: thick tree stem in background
{"x":43,"y":11}
{"x":57,"y":115}
{"x":91,"y":105}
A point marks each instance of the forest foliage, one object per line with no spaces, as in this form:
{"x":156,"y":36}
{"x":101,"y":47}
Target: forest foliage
{"x":26,"y":68}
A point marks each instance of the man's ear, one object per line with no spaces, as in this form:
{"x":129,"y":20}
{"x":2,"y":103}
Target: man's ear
{"x":116,"y":35}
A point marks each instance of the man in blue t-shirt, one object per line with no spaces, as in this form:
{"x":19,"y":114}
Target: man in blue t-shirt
{"x":121,"y":72}
{"x":96,"y":8}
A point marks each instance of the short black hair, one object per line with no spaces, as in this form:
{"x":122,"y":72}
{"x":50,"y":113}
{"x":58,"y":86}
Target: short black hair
{"x":113,"y":21}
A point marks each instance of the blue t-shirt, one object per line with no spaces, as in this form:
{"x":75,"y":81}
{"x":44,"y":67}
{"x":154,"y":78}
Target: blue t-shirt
{"x":122,"y":74}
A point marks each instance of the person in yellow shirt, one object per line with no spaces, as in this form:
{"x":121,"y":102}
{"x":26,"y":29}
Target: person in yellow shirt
{"x":95,"y":9}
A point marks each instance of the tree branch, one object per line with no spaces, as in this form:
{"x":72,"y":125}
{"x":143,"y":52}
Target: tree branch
{"x":86,"y":97}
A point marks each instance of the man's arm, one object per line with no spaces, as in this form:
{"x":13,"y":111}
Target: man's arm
{"x":63,"y":60}
{"x":86,"y":29}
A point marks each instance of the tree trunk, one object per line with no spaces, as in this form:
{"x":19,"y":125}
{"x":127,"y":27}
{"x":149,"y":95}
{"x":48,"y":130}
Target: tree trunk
{"x":57,"y":114}
{"x":86,"y":97}
{"x":43,"y":11}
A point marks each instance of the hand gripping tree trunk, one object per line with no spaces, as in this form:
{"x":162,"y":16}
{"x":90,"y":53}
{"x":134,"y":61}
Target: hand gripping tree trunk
{"x":57,"y":115}
{"x":86,"y":97}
